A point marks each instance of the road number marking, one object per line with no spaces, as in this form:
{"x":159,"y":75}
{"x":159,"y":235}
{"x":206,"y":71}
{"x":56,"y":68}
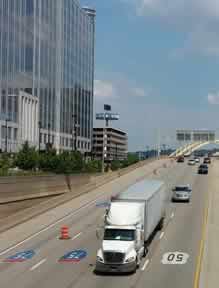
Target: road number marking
{"x":175,"y":258}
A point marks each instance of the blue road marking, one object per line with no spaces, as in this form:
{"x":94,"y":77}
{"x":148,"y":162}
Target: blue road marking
{"x":21,"y":256}
{"x":74,"y":256}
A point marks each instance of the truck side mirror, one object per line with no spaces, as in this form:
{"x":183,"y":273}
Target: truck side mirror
{"x":99,"y":233}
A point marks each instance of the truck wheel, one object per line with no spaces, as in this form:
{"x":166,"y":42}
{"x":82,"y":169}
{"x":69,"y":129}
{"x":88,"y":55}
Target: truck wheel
{"x":136,"y":266}
{"x":145,"y":252}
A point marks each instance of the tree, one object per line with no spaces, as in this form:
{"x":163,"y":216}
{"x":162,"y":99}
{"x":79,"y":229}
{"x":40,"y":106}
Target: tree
{"x":27,"y":157}
{"x":131,"y":159}
{"x":4,"y":164}
{"x":115,"y":165}
{"x":93,"y":166}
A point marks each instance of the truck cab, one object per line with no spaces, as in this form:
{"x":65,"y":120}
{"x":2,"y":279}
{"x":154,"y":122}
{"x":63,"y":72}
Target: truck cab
{"x":122,"y":248}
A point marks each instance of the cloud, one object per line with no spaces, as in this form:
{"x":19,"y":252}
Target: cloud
{"x":139,"y":92}
{"x":105,"y":89}
{"x":213,"y":98}
{"x":199,"y":19}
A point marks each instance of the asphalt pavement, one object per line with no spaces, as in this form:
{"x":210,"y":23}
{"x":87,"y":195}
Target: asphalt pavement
{"x":182,"y":233}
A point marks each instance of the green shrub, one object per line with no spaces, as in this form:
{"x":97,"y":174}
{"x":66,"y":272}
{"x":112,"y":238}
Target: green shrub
{"x":93,"y":166}
{"x":115,"y":165}
{"x":27,"y":158}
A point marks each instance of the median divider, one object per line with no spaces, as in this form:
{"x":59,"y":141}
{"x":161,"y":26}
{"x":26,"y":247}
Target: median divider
{"x":69,"y":194}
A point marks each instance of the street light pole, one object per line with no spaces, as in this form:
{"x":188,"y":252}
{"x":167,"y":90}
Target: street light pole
{"x":6,"y":135}
{"x":39,"y":127}
{"x":74,"y":133}
{"x":49,"y":127}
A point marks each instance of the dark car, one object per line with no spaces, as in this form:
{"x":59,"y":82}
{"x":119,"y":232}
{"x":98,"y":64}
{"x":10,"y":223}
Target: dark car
{"x":180,"y":159}
{"x":207,"y":160}
{"x":203,"y":169}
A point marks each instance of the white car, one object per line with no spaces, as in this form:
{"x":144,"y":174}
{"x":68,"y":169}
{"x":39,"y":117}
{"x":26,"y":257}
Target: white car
{"x":191,"y":162}
{"x":197,"y":160}
{"x":182,"y":193}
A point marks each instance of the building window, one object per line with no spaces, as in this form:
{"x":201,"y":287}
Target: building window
{"x":66,"y":142}
{"x":44,"y":138}
{"x":79,"y":143}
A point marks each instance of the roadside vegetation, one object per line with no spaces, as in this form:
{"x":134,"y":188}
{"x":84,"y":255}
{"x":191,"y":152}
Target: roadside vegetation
{"x":28,"y":161}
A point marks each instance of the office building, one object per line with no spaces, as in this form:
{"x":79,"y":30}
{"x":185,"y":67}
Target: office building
{"x":116,"y":144}
{"x":46,"y":74}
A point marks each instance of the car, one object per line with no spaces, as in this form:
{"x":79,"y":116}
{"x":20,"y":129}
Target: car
{"x":188,"y":154}
{"x":197,"y":159}
{"x":191,"y":162}
{"x":180,"y":159}
{"x":181,"y":193}
{"x":203,"y":169}
{"x":207,"y":160}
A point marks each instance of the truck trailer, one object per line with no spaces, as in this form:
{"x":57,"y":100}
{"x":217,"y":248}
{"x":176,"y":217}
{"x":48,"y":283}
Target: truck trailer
{"x":130,"y":222}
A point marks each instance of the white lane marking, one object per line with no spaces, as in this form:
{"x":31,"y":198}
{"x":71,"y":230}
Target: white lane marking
{"x":50,"y":226}
{"x":145,"y":265}
{"x":172,"y":215}
{"x":38,"y":264}
{"x":76,"y":236}
{"x":161,"y":235}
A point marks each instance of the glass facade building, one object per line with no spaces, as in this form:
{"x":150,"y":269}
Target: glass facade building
{"x":47,"y":51}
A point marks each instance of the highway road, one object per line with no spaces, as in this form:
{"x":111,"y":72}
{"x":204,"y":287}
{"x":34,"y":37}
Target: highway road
{"x":182,"y":232}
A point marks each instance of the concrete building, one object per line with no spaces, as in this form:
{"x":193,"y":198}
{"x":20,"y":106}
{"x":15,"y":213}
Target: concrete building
{"x":46,"y":74}
{"x":116,"y":144}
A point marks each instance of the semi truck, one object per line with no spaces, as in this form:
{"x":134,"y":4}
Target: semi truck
{"x":131,"y":220}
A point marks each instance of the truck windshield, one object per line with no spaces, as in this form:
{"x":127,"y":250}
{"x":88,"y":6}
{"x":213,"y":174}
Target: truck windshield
{"x":119,"y":234}
{"x":181,"y":188}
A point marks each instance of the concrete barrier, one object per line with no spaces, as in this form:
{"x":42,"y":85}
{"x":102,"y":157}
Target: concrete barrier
{"x":21,"y":188}
{"x":76,"y":191}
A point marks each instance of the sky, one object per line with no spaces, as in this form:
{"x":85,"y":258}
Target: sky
{"x":157,"y":65}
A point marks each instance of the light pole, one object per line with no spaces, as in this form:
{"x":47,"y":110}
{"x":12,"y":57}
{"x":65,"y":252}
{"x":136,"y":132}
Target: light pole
{"x":49,"y":128}
{"x":106,"y":117}
{"x":39,"y":127}
{"x":6,"y":135}
{"x":74,"y":132}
